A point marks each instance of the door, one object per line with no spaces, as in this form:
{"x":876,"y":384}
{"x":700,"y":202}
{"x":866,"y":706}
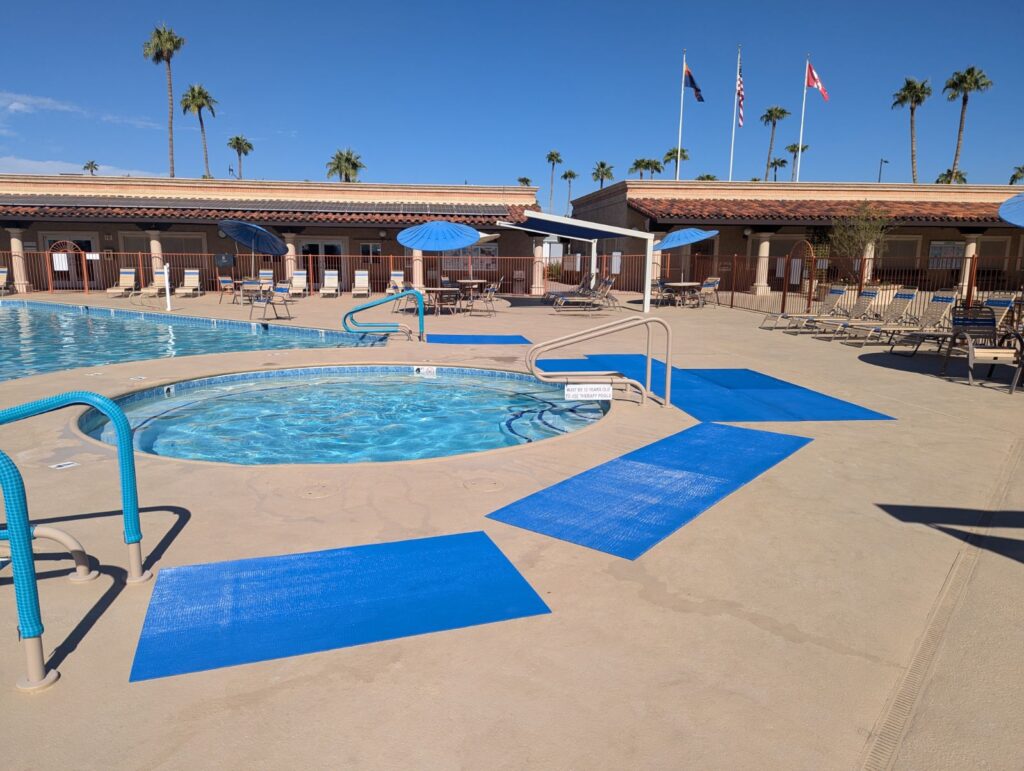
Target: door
{"x":67,"y":262}
{"x":327,"y":255}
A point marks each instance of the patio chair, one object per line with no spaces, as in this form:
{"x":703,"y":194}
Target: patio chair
{"x":447,"y":301}
{"x":395,"y":282}
{"x":299,"y":286}
{"x":860,"y":311}
{"x":662,"y":293}
{"x":999,"y":302}
{"x":976,"y":334}
{"x":277,"y":298}
{"x":251,"y":289}
{"x":484,"y":299}
{"x":829,"y":307}
{"x":895,"y":313}
{"x":709,"y":289}
{"x":330,"y":286}
{"x":266,"y":274}
{"x":3,"y":282}
{"x":157,"y":288}
{"x":125,"y":282}
{"x":361,"y":284}
{"x":190,"y":284}
{"x":226,"y":288}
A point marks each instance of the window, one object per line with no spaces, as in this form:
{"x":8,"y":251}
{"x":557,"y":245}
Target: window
{"x":945,"y":255}
{"x":370,"y":252}
{"x":170,"y":243}
{"x":900,"y":251}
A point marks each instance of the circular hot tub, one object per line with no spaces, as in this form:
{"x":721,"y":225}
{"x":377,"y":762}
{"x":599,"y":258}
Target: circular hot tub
{"x":350,"y":414}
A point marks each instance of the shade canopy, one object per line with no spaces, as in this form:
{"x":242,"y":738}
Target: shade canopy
{"x":1013,"y":210}
{"x":539,"y":223}
{"x":683,"y":237}
{"x":253,"y":237}
{"x":438,"y":236}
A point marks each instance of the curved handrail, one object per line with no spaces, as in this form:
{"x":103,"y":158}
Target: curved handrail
{"x":26,"y":593}
{"x":602,"y":330}
{"x":351,"y":325}
{"x":125,"y":459}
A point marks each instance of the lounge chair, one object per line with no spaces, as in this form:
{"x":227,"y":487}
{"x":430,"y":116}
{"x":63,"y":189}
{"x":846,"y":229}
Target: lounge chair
{"x":3,"y":282}
{"x":829,"y":308}
{"x":709,"y":289}
{"x":299,"y":286}
{"x":934,"y":319}
{"x":125,"y":283}
{"x":1000,"y":304}
{"x":600,"y":298}
{"x":226,"y":285}
{"x":276,"y":298}
{"x":361,"y":284}
{"x":895,"y":313}
{"x":157,"y":288}
{"x":190,"y":285}
{"x":583,"y":289}
{"x":976,"y":334}
{"x":395,"y":282}
{"x":861,"y":310}
{"x":330,"y":287}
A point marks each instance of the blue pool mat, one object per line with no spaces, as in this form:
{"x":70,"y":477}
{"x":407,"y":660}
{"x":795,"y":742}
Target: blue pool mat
{"x":626,"y":506}
{"x":222,"y":614}
{"x":726,"y":395}
{"x":478,"y":339}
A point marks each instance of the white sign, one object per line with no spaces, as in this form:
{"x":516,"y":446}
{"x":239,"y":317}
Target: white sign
{"x":425,"y":371}
{"x":588,"y":392}
{"x":60,"y":261}
{"x":92,"y":255}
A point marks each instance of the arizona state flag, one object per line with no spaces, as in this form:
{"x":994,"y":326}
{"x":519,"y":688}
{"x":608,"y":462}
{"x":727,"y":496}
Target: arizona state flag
{"x":689,"y":82}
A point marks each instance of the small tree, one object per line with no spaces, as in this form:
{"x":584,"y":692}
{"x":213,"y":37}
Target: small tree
{"x":851,"y":235}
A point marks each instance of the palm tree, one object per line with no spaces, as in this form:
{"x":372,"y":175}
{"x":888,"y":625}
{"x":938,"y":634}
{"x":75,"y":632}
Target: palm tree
{"x":959,"y":86}
{"x":771,"y":117}
{"x":949,"y":177}
{"x":569,"y":175}
{"x":1017,"y":176}
{"x":525,"y":181}
{"x":776,"y":164}
{"x":705,"y":177}
{"x":639,"y":165}
{"x":554,"y":157}
{"x":793,"y":150}
{"x":912,"y":94}
{"x":242,"y":146}
{"x":654,"y":166}
{"x":345,"y":165}
{"x":670,"y":157}
{"x":602,"y":171}
{"x":92,"y":167}
{"x":194,"y":101}
{"x":160,"y":48}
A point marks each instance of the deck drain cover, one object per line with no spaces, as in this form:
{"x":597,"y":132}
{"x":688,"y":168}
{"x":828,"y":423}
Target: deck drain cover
{"x":316,"y":492}
{"x":483,"y":485}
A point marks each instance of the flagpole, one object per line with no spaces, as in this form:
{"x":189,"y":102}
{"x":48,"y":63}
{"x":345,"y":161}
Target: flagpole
{"x":682,"y":96}
{"x":735,"y":103}
{"x":803,"y":110}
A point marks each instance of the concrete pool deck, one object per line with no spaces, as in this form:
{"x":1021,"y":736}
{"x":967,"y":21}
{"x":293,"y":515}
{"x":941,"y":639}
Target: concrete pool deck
{"x":857,"y":605}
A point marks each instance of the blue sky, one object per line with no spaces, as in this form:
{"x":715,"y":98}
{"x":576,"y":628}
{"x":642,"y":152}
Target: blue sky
{"x":461,"y":91}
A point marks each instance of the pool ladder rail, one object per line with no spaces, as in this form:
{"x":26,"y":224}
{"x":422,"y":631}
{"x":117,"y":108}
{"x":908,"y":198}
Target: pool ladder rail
{"x":352,"y":325}
{"x":607,"y":377}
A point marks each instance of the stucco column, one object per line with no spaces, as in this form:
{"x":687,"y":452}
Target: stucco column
{"x":764,"y":246}
{"x":417,"y":269}
{"x":537,"y":285}
{"x":869,"y":261}
{"x":656,"y":264}
{"x":970,"y":255}
{"x":20,"y":277}
{"x":156,"y":250}
{"x":289,"y":258}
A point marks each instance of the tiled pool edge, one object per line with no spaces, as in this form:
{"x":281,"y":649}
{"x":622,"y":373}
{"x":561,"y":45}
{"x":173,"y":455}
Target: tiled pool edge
{"x":255,"y":327}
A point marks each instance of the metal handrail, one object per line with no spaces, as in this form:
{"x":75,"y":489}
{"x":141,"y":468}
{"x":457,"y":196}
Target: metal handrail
{"x":603,"y":330}
{"x":353,"y":326}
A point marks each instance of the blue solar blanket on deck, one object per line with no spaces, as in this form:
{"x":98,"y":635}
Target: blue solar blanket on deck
{"x":626,"y":506}
{"x":226,"y":613}
{"x":725,"y":395}
{"x":478,"y":339}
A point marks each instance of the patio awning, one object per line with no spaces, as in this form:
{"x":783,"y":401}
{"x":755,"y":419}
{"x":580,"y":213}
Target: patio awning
{"x":539,"y":223}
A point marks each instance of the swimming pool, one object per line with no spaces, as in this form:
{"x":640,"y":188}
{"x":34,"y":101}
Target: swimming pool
{"x":37,"y":337}
{"x":346,"y":415}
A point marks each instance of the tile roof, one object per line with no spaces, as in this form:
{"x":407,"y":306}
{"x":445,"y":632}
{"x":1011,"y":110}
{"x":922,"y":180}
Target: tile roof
{"x":721,"y":210}
{"x":267,"y":212}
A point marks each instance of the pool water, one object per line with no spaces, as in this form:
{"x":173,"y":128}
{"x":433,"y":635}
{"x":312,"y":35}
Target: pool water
{"x":346,"y":415}
{"x":36,"y":339}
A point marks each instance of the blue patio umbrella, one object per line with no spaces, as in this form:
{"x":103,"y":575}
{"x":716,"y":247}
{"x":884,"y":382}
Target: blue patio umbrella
{"x":683,"y":237}
{"x":257,"y":239}
{"x":1013,"y":210}
{"x":438,"y":236}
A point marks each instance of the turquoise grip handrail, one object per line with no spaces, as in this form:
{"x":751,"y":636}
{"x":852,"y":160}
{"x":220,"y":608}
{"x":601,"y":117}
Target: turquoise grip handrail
{"x":350,"y":324}
{"x":18,"y":532}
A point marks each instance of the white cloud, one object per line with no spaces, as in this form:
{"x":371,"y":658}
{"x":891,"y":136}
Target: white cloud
{"x":10,"y":164}
{"x":12,"y":104}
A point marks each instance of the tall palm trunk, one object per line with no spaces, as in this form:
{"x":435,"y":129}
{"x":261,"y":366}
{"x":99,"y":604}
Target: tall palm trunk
{"x":959,"y":137}
{"x":170,"y":116}
{"x":551,"y":191}
{"x":600,"y":185}
{"x":206,"y":156}
{"x":913,"y":143}
{"x":568,"y":198}
{"x":792,"y":176}
{"x":239,"y":164}
{"x":771,"y":149}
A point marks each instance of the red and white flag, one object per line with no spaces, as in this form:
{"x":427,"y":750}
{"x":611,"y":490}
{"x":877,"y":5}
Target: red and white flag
{"x":813,"y":81}
{"x":739,"y":93}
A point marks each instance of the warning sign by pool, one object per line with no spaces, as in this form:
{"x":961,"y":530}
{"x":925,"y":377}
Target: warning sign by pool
{"x":588,"y":392}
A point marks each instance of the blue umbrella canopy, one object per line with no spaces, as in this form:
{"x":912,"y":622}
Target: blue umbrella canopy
{"x":253,"y":237}
{"x":1013,"y":210}
{"x":683,"y":237}
{"x":438,"y":236}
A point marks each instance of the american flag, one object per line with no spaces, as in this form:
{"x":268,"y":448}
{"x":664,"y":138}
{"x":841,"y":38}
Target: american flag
{"x":739,"y":93}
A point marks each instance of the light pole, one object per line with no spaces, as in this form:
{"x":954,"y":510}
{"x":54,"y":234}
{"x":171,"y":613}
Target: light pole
{"x":881,"y":163}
